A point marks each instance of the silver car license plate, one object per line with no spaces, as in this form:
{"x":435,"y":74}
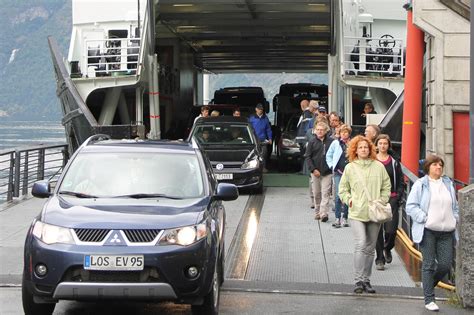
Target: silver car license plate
{"x":224,"y":176}
{"x":114,"y":262}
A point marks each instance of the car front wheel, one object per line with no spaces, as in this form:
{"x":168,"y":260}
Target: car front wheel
{"x":32,"y":308}
{"x":211,"y":300}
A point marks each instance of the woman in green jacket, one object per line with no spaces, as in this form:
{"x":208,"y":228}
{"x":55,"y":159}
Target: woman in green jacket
{"x":363,"y":170}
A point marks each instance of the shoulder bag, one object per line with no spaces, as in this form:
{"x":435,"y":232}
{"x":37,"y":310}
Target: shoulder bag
{"x":378,"y":211}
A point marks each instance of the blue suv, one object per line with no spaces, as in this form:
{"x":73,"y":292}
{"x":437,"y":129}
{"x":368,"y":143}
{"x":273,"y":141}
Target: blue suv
{"x":139,"y":220}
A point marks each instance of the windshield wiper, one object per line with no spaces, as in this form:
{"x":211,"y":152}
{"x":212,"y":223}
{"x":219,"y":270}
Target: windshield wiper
{"x":76,"y":194}
{"x":143,"y":195}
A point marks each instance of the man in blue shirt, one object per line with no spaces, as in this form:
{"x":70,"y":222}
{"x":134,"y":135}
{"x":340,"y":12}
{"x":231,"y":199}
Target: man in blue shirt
{"x":263,"y":131}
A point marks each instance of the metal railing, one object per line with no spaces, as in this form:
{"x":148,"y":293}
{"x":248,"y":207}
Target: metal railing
{"x":405,"y":222}
{"x":383,"y":56}
{"x":21,"y":167}
{"x":110,"y":57}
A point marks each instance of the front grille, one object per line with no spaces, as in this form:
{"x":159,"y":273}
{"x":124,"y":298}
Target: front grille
{"x":114,"y":276}
{"x":227,"y":155}
{"x":141,"y":236}
{"x":91,"y":235}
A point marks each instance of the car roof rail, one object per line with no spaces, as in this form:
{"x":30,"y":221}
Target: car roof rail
{"x":95,"y":138}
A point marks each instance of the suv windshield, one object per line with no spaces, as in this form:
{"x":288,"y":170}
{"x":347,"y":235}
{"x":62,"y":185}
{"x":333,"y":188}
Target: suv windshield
{"x":134,"y":175}
{"x":223,"y":134}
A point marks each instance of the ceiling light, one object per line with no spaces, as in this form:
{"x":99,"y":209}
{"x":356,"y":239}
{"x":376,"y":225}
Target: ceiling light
{"x":317,"y":4}
{"x":183,"y":5}
{"x":367,"y":95}
{"x":319,"y":27}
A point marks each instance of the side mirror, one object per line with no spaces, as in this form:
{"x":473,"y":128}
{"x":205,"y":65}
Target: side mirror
{"x":41,"y":189}
{"x":226,"y":192}
{"x":266,"y":106}
{"x":275,"y":102}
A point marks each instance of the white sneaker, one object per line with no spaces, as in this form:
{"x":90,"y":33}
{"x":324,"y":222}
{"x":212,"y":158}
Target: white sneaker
{"x":432,"y":307}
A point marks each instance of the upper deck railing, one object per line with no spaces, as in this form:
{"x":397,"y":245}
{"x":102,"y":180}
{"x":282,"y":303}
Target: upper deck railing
{"x":21,"y":167}
{"x":383,"y":56}
{"x":108,"y":57}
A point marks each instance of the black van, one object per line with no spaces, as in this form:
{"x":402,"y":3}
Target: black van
{"x":287,"y":102}
{"x":245,"y":97}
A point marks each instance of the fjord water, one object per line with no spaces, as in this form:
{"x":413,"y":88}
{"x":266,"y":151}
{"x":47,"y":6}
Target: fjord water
{"x":20,"y":134}
{"x":23,"y":133}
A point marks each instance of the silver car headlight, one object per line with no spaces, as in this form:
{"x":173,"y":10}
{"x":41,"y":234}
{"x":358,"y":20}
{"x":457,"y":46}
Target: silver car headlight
{"x":52,"y":234}
{"x":183,"y":236}
{"x":254,"y":163}
{"x":289,"y":143}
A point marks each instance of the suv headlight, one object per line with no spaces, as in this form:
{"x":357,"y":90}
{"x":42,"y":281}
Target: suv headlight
{"x":250,"y":164}
{"x":52,"y":234}
{"x":184,"y":236}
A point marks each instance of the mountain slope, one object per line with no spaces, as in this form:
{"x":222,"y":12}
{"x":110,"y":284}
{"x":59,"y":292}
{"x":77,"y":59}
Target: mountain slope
{"x":27,"y":86}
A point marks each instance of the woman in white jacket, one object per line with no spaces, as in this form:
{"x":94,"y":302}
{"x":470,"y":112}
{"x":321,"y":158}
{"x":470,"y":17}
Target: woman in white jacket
{"x":434,"y":209}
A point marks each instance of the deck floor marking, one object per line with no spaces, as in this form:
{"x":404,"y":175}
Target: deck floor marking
{"x":244,"y":238}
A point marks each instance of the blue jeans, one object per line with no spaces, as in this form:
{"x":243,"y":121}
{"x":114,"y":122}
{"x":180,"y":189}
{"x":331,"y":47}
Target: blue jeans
{"x":338,"y":203}
{"x":437,"y":249}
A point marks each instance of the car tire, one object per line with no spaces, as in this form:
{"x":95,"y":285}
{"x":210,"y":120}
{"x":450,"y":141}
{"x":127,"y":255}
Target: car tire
{"x":211,"y":300}
{"x":32,"y":308}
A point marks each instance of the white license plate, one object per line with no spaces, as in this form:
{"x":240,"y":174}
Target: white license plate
{"x":224,"y":176}
{"x":114,"y":262}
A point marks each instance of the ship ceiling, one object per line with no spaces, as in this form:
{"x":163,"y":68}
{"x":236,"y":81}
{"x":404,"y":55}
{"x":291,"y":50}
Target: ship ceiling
{"x":250,"y":35}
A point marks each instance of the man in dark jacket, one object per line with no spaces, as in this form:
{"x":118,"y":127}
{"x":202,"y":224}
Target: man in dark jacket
{"x":321,"y":174}
{"x":263,"y":131}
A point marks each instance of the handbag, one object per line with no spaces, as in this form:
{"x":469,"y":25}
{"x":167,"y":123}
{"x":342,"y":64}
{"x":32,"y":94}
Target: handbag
{"x":378,"y":211}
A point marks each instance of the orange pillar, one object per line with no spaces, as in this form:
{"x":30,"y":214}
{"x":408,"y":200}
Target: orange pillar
{"x":413,"y":90}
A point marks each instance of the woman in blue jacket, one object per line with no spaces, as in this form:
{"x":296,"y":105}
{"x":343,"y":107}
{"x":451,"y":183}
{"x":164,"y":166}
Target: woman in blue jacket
{"x":337,"y":161}
{"x":433,"y":207}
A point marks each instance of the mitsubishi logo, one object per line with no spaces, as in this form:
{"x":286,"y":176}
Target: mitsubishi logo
{"x":116,"y":238}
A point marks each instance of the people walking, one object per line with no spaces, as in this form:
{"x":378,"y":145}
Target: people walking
{"x":363,"y":170}
{"x":372,"y":132}
{"x":321,"y":175}
{"x":334,"y":123}
{"x":310,"y":134}
{"x":301,"y":129}
{"x":337,"y":160}
{"x":263,"y":131}
{"x":388,"y":230}
{"x":434,"y":210}
{"x":313,"y":108}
